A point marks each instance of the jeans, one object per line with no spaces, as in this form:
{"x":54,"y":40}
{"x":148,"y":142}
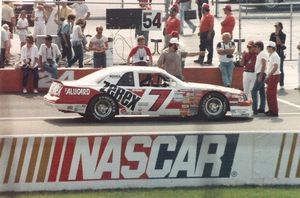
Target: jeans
{"x":66,"y":50}
{"x":78,"y":55}
{"x":208,"y":45}
{"x":2,"y":58}
{"x":226,"y":69}
{"x":35,"y":72}
{"x":52,"y":69}
{"x":99,"y":60}
{"x":259,"y":86}
{"x":184,"y":6}
{"x":282,"y":72}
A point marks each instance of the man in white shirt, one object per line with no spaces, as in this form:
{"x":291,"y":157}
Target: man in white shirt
{"x":49,"y":55}
{"x":8,"y":15}
{"x":272,"y":79}
{"x":81,"y":11}
{"x":40,"y":18}
{"x":260,"y":71}
{"x":226,"y":49}
{"x":29,"y":58}
{"x":22,"y":27}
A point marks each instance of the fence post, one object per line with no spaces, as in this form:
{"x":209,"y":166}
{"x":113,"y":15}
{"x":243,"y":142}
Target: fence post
{"x":291,"y":31}
{"x":122,"y":3}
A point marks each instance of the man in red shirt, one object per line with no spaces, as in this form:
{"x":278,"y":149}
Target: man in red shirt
{"x":172,"y":24}
{"x":229,"y":22}
{"x":206,"y":33}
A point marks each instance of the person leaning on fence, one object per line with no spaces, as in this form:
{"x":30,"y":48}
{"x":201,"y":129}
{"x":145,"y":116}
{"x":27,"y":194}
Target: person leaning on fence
{"x":298,"y":87}
{"x":77,"y":44}
{"x":172,"y":24}
{"x":248,"y":62}
{"x":140,"y":53}
{"x":229,"y":22}
{"x":99,"y":44}
{"x":260,"y":72}
{"x":170,"y":59}
{"x":65,"y":37}
{"x":279,"y":38}
{"x":49,"y":56}
{"x":206,"y":35}
{"x":272,"y":79}
{"x":226,"y":49}
{"x":22,"y":27}
{"x":29,"y":58}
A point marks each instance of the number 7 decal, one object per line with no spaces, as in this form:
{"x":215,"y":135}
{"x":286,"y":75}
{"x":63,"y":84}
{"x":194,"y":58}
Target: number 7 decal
{"x":162,"y":96}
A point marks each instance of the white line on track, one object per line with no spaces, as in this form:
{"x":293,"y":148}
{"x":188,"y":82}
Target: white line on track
{"x":36,"y":118}
{"x":288,"y":103}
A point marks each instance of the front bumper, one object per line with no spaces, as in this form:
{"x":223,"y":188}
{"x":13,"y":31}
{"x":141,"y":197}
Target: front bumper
{"x":241,"y":111}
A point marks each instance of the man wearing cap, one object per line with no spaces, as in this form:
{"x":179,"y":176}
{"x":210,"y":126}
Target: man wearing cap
{"x":248,"y":62}
{"x":206,"y":33}
{"x":279,"y":38}
{"x":184,"y":6}
{"x":170,"y":58}
{"x":272,"y":79}
{"x":229,"y":22}
{"x":260,"y":72}
{"x":172,"y":24}
{"x":199,"y":4}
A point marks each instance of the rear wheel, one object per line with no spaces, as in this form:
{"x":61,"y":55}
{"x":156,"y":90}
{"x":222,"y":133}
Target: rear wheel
{"x":102,"y":108}
{"x":213,"y":106}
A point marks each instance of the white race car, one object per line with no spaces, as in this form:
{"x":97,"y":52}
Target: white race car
{"x":134,"y":90}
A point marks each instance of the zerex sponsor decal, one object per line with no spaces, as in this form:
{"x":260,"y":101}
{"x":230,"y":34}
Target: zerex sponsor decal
{"x":123,"y":96}
{"x":78,"y":91}
{"x":75,"y":159}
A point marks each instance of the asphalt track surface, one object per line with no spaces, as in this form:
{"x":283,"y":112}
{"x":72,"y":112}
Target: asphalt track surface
{"x":28,"y":115}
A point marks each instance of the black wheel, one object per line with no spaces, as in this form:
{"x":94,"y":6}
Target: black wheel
{"x":213,"y":106}
{"x":102,"y":108}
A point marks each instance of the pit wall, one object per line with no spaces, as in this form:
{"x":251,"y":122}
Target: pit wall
{"x":11,"y":79}
{"x":99,"y":161}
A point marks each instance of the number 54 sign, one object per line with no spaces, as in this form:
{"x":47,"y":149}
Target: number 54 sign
{"x":151,"y":20}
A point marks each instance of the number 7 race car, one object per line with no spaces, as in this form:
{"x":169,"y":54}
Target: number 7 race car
{"x":134,"y":90}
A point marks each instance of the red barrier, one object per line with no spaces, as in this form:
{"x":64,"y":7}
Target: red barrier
{"x":11,"y":79}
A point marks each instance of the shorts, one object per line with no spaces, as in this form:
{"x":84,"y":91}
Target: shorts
{"x":39,"y":29}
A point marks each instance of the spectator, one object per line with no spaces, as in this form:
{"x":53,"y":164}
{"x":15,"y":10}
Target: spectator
{"x":64,"y":11}
{"x":272,"y":79}
{"x":184,"y":6}
{"x":144,"y":5}
{"x":29,"y":58}
{"x":10,"y":36}
{"x":65,"y":38}
{"x":81,"y":11}
{"x":22,"y":27}
{"x":200,"y":4}
{"x":40,"y":18}
{"x":229,"y":22}
{"x":170,"y":59}
{"x":259,"y":85}
{"x":181,"y":47}
{"x":99,"y":44}
{"x":298,"y":88}
{"x":279,"y":38}
{"x":8,"y":16}
{"x":139,"y":54}
{"x":248,"y":62}
{"x":4,"y":47}
{"x":49,"y":56}
{"x":172,"y":24}
{"x":206,"y":33}
{"x":226,"y":49}
{"x":77,"y":44}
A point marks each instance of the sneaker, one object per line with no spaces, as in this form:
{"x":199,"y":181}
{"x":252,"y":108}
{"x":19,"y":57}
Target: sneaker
{"x":35,"y":91}
{"x":207,"y":63}
{"x":271,"y":114}
{"x":260,"y":111}
{"x":24,"y":91}
{"x":198,"y":61}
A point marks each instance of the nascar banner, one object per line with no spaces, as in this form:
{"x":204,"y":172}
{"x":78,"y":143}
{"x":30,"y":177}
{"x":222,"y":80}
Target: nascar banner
{"x":148,"y":161}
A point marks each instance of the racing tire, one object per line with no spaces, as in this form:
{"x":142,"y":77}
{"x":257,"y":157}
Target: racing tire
{"x":213,"y":106}
{"x":102,"y":108}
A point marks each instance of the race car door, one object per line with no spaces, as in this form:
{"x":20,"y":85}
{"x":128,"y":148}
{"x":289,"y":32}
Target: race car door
{"x":158,"y":98}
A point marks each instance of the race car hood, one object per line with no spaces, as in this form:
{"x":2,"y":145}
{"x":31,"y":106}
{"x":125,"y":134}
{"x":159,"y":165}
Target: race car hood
{"x":201,"y":86}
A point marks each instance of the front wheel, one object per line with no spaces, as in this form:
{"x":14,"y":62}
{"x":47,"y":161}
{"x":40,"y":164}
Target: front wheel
{"x":213,"y":106}
{"x":102,"y":108}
